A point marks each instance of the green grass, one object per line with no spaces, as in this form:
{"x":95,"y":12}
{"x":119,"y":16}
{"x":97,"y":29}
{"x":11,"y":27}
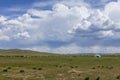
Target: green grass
{"x":45,"y":66}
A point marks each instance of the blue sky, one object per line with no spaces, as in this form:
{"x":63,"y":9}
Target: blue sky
{"x":10,"y":7}
{"x":61,"y":26}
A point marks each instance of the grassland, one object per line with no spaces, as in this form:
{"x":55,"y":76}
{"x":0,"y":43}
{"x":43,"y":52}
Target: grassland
{"x":29,"y":65}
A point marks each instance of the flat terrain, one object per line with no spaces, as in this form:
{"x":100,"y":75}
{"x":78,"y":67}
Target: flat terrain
{"x":29,"y":65}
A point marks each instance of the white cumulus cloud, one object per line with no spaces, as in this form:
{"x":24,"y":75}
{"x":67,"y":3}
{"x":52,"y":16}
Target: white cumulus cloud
{"x":65,"y":28}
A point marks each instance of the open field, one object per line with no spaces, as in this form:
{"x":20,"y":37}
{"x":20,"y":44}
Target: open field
{"x":28,"y":65}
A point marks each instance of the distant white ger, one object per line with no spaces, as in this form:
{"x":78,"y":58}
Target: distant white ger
{"x":98,"y":56}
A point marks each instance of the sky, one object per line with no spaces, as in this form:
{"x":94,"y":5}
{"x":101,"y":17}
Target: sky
{"x":60,"y":26}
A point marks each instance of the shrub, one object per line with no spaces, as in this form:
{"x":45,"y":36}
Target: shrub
{"x":93,"y":68}
{"x":98,"y":78}
{"x":56,"y":65}
{"x":102,"y":66}
{"x":19,"y":66}
{"x":118,"y":77}
{"x":5,"y":70}
{"x":21,"y":71}
{"x":9,"y":68}
{"x":87,"y":78}
{"x":39,"y":68}
{"x":74,"y":56}
{"x":21,"y":56}
{"x":71,"y":66}
{"x":98,"y":66}
{"x":78,"y":74}
{"x":60,"y":66}
{"x":76,"y":66}
{"x":34,"y":68}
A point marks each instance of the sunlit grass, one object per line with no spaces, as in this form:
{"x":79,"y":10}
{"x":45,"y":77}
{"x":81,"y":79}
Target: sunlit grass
{"x":28,"y":65}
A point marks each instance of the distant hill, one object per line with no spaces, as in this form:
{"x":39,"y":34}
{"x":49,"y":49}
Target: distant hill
{"x":22,"y":52}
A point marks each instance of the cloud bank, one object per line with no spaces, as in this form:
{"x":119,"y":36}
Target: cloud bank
{"x":69,"y":27}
